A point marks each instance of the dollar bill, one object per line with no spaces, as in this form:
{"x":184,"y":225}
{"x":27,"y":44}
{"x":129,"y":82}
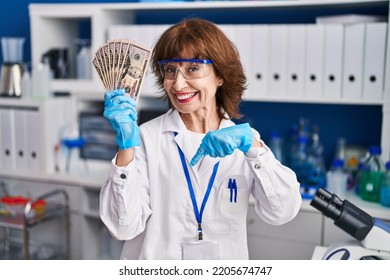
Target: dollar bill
{"x":134,"y":70}
{"x":122,"y":63}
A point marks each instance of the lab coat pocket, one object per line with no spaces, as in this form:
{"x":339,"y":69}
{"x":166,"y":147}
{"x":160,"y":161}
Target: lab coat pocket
{"x":232,"y":204}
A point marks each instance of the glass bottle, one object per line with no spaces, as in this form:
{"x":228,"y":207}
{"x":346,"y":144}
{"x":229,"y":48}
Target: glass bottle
{"x":336,"y":178}
{"x":385,"y":188}
{"x":276,"y":145}
{"x":372,"y":175}
{"x":299,"y":162}
{"x":317,"y":172}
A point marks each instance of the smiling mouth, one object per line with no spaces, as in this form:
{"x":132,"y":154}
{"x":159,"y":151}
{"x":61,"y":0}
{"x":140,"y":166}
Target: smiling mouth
{"x":185,"y":96}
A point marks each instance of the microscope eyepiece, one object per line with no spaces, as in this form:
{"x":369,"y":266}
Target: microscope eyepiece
{"x":346,"y":216}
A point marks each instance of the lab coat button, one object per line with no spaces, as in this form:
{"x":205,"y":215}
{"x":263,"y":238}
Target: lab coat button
{"x":123,"y":176}
{"x":257,"y":166}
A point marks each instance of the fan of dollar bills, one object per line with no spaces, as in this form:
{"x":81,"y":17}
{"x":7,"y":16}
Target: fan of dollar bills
{"x":122,"y":63}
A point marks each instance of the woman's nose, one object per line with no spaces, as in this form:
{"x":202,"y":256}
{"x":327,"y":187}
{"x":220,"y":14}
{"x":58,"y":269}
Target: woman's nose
{"x":180,"y":81}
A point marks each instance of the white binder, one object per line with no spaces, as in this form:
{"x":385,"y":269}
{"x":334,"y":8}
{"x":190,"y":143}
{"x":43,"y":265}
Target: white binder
{"x":374,"y":60}
{"x":314,"y":60}
{"x":333,"y":63}
{"x":243,"y":40}
{"x":296,"y":55}
{"x":278,"y":60}
{"x":21,"y":137}
{"x":34,"y":134}
{"x":7,"y":152}
{"x":260,"y":56}
{"x":353,"y":61}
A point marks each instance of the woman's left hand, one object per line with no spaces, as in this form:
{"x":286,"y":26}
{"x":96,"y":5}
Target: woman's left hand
{"x":222,"y":142}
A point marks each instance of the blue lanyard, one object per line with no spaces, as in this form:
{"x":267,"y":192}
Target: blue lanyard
{"x":198,"y":215}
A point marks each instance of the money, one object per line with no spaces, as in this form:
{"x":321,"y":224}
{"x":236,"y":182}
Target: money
{"x":122,"y":64}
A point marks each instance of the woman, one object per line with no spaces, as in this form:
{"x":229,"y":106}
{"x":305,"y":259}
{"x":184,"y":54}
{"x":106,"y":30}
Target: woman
{"x":180,"y":184}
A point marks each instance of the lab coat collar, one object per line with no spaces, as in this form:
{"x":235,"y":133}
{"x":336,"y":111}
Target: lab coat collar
{"x":173,"y":123}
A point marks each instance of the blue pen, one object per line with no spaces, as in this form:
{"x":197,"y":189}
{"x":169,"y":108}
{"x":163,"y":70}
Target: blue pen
{"x":234,"y":187}
{"x":230,"y":186}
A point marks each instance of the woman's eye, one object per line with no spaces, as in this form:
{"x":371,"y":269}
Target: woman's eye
{"x":170,"y":69}
{"x":193,"y":68}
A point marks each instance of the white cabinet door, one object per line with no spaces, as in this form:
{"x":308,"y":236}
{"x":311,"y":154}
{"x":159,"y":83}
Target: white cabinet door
{"x":293,"y":240}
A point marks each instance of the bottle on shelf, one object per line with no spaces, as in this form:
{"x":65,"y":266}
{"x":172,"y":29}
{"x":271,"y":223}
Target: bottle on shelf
{"x":317,"y":172}
{"x":350,"y":165}
{"x":371,"y":175}
{"x":83,"y":60}
{"x":276,"y":145}
{"x":336,"y":178}
{"x":340,"y":152}
{"x":299,"y":162}
{"x":41,"y":80}
{"x":385,"y":188}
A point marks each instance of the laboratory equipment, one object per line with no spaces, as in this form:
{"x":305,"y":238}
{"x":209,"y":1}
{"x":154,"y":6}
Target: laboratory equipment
{"x":50,"y":206}
{"x":12,"y":69}
{"x":337,"y":178}
{"x":372,"y":235}
{"x":372,"y":175}
{"x":385,"y":188}
{"x":83,"y":59}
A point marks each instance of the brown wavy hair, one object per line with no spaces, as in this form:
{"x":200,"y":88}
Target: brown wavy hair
{"x":202,"y":39}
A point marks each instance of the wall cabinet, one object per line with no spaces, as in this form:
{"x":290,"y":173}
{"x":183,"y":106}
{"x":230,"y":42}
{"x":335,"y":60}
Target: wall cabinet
{"x":61,"y":24}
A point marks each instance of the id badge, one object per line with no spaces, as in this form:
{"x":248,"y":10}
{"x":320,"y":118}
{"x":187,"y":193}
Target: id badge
{"x":200,"y":250}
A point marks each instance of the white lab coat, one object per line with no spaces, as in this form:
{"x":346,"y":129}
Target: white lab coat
{"x":148,"y":204}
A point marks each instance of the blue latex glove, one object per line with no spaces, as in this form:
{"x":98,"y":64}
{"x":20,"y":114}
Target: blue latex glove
{"x":223,"y":142}
{"x":120,"y":111}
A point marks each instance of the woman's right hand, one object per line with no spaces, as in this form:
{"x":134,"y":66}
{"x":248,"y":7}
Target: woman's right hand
{"x":120,"y":111}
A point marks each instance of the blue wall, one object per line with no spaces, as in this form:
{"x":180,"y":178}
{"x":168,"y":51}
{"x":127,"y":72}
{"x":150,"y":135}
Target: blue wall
{"x":360,"y":125}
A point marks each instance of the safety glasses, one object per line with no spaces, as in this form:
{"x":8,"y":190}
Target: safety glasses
{"x":190,"y":68}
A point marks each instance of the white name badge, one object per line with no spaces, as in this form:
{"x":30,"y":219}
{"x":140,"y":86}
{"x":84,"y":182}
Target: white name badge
{"x":200,"y":250}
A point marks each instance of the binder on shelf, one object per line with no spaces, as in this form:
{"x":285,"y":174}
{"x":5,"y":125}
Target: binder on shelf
{"x":21,"y":137}
{"x":34,"y":134}
{"x":278,"y":60}
{"x":374,"y":60}
{"x":243,"y":40}
{"x":7,"y":152}
{"x":353,"y":61}
{"x":333,"y":62}
{"x":314,"y":60}
{"x":296,"y":55}
{"x":260,"y":54}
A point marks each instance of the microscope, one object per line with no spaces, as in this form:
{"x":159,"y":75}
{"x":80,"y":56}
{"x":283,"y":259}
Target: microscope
{"x":372,"y":235}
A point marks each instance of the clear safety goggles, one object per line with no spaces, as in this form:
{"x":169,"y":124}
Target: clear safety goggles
{"x":190,"y":68}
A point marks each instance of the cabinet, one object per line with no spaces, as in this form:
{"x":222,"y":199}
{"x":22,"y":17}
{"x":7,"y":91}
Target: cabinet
{"x":30,"y":130}
{"x":61,"y":23}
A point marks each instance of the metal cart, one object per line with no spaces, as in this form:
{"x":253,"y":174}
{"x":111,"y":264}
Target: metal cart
{"x":57,"y":207}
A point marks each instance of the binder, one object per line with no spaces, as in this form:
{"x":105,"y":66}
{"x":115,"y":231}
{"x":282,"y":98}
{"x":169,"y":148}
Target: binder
{"x":296,"y":55}
{"x":243,"y":40}
{"x":353,"y":61}
{"x":260,"y":54}
{"x":314,"y":60}
{"x":33,"y":148}
{"x":333,"y":62}
{"x":7,"y":152}
{"x":278,"y":60}
{"x":374,"y":60}
{"x":20,"y":138}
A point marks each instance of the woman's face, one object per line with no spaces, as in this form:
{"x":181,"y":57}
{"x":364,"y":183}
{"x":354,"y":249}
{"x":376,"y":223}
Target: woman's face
{"x":189,"y":96}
